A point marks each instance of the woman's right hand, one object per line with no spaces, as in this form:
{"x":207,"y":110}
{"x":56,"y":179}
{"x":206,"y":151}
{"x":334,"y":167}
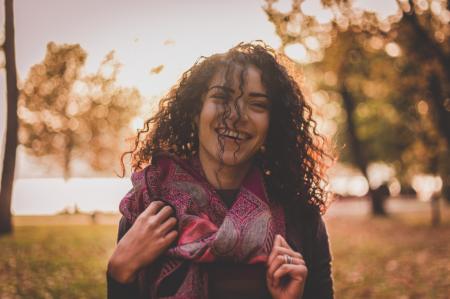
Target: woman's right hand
{"x":150,"y":235}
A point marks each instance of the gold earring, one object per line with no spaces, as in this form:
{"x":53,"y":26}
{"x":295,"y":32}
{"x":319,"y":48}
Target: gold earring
{"x":262,"y":149}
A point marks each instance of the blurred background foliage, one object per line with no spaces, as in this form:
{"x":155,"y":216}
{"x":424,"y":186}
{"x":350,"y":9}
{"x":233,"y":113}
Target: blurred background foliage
{"x":383,"y":81}
{"x":66,"y":115}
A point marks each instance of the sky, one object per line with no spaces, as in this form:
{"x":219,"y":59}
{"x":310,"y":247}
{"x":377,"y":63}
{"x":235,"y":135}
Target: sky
{"x":144,"y":35}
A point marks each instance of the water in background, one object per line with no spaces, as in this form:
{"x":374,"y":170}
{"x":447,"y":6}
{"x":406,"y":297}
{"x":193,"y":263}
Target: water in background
{"x":36,"y":196}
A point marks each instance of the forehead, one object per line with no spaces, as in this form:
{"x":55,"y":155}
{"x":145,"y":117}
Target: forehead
{"x":249,"y":75}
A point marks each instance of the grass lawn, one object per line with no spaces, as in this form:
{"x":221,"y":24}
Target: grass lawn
{"x":398,"y":257}
{"x":55,"y":261}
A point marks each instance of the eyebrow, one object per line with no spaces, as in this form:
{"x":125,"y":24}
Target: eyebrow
{"x":230,"y":90}
{"x":224,"y":88}
{"x":258,"y":94}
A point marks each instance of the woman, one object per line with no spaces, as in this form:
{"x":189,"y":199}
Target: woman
{"x":227,"y":190}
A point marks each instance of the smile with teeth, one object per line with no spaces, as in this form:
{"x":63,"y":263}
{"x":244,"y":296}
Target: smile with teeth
{"x":236,"y":135}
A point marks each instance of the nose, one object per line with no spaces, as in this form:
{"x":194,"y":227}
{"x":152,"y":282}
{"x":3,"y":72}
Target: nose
{"x":237,"y":111}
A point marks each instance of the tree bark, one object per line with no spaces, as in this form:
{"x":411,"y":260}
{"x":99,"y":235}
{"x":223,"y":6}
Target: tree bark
{"x":433,"y":52}
{"x":67,"y":156}
{"x":9,"y":159}
{"x":377,"y":198}
{"x":435,"y":210}
{"x":437,"y":100}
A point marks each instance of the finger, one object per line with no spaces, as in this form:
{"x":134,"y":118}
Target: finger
{"x":277,"y":240}
{"x":278,"y":250}
{"x":298,"y":261}
{"x":153,"y":208}
{"x":170,"y":237}
{"x":290,"y":252}
{"x":167,"y":225}
{"x":164,"y":214}
{"x":277,"y":262}
{"x":272,"y":254}
{"x":284,"y":243}
{"x":297,"y":272}
{"x":281,"y":259}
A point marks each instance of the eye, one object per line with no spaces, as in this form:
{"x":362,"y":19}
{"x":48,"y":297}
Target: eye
{"x":219,"y":96}
{"x":261,"y":105}
{"x":222,"y":97}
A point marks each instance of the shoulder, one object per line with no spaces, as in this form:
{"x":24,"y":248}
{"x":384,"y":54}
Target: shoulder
{"x":321,"y":229}
{"x":147,"y":184}
{"x":319,"y":282}
{"x":307,"y":233}
{"x":143,"y":191}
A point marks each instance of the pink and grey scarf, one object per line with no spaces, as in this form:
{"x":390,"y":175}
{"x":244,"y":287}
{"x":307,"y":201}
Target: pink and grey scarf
{"x":208,"y":230}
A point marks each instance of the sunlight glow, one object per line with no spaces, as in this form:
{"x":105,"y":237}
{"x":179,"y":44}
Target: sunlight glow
{"x":426,"y":186}
{"x":349,"y":185}
{"x":312,"y":43}
{"x":380,"y":173}
{"x":297,"y":52}
{"x":316,"y":9}
{"x":383,"y":8}
{"x":283,"y":6}
{"x":137,"y":123}
{"x":393,"y":49}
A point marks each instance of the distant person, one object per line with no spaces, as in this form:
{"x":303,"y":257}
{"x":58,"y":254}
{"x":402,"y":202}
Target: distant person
{"x":228,"y":195}
{"x":94,"y":217}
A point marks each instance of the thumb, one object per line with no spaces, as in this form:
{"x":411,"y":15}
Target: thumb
{"x":277,"y":241}
{"x":284,"y":243}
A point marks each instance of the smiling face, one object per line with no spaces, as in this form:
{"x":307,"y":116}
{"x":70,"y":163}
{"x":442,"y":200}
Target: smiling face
{"x":233,"y":126}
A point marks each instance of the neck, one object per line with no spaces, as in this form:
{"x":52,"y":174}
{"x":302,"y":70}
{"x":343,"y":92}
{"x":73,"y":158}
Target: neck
{"x":223,"y":176}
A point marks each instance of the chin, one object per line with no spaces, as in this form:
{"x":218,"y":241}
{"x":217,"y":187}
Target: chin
{"x":231,"y":159}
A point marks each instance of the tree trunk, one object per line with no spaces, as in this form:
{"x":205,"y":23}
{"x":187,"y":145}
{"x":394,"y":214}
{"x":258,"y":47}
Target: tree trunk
{"x":430,"y":50}
{"x":67,"y":155}
{"x":438,"y":99}
{"x":9,"y":159}
{"x":442,"y":116}
{"x":377,"y":198}
{"x":428,"y":42}
{"x":435,"y":210}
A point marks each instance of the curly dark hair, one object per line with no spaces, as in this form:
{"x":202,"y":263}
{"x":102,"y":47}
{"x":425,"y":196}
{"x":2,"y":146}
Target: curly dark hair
{"x":294,"y":160}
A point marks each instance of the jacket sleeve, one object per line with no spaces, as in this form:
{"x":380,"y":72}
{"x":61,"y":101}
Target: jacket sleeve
{"x":115,"y":289}
{"x":319,"y":283}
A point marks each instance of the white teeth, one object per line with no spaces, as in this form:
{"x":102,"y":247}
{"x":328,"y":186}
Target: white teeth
{"x":232,"y":134}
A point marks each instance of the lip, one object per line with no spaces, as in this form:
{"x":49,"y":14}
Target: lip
{"x":236,"y":135}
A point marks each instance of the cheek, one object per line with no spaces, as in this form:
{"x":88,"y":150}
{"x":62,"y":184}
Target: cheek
{"x":207,"y":116}
{"x":263,"y":126}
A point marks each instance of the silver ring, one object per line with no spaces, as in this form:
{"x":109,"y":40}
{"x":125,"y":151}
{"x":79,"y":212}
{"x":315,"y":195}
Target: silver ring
{"x":287,"y":259}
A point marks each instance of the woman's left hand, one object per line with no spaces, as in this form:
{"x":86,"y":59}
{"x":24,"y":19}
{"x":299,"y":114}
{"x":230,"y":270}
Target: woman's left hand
{"x":286,"y":271}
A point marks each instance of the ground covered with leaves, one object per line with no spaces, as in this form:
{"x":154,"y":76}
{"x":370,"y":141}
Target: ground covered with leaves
{"x":401,"y":257}
{"x":398,"y":257}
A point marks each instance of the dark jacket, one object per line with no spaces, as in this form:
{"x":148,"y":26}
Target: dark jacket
{"x":312,"y":243}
